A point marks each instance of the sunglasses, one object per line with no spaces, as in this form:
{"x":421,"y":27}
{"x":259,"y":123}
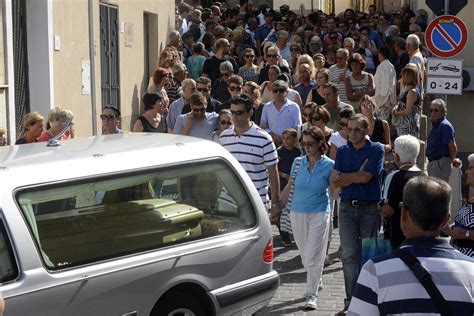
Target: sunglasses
{"x":104,"y":117}
{"x":237,"y":113}
{"x":205,"y":90}
{"x":281,"y":90}
{"x":333,"y":37}
{"x":271,"y":56}
{"x":342,"y":124}
{"x":201,"y":110}
{"x":228,"y":123}
{"x":305,"y":114}
{"x":308,"y":144}
{"x":316,"y":118}
{"x":356,"y":130}
{"x":249,"y":56}
{"x":225,"y":74}
{"x":234,"y":88}
{"x":434,"y":110}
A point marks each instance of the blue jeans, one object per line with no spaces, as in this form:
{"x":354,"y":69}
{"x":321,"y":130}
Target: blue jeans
{"x":355,"y":222}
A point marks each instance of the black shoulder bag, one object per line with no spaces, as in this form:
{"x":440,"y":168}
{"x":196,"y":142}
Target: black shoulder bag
{"x":425,"y":279}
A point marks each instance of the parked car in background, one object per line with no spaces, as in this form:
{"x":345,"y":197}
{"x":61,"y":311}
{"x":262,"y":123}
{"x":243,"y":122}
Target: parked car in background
{"x":131,"y":224}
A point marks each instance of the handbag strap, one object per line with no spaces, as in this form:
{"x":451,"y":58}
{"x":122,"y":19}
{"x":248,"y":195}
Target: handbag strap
{"x":425,"y":279}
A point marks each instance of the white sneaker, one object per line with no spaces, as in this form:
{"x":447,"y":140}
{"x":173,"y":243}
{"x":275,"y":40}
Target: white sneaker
{"x":311,"y":302}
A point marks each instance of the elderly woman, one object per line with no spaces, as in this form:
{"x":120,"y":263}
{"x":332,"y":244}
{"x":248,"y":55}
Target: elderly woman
{"x":319,"y":61}
{"x":462,"y":231}
{"x":57,"y":120}
{"x":406,"y":114}
{"x":266,"y":89}
{"x":220,"y":87}
{"x":110,"y":120}
{"x":162,"y":77}
{"x":304,"y":59}
{"x":359,"y":82}
{"x":33,"y":123}
{"x":378,"y":131}
{"x":309,"y":208}
{"x":152,"y":121}
{"x":406,"y":151}
{"x":317,"y":94}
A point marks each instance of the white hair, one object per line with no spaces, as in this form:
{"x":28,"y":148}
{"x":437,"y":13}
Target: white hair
{"x":350,"y":40}
{"x":226,"y":66}
{"x":414,"y":41}
{"x":470,"y":158}
{"x":187,"y":82}
{"x":407,"y":147}
{"x":442,"y":105}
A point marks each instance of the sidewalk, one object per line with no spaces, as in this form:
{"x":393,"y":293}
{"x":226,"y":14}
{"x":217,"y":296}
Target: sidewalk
{"x":289,"y":298}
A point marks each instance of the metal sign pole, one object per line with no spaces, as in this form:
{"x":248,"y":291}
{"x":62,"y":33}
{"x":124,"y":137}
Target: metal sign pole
{"x":446,"y":11}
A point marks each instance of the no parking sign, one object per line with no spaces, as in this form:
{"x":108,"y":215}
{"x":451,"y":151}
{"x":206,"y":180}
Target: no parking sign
{"x":446,"y":36}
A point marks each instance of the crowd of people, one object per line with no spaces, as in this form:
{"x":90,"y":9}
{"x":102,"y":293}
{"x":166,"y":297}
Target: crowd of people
{"x":313,"y":107}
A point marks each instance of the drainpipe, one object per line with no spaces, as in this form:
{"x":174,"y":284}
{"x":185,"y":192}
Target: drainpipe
{"x":92,"y":66}
{"x":10,"y":80}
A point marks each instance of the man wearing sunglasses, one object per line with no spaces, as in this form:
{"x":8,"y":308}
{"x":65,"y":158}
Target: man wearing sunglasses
{"x":198,"y":122}
{"x":255,"y":151}
{"x":441,"y":149}
{"x":281,"y":113}
{"x":357,"y":174}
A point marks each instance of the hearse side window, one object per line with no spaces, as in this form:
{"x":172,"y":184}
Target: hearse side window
{"x":8,"y":268}
{"x":88,"y":221}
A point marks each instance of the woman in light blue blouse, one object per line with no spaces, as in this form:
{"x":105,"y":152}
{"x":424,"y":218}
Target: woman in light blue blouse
{"x":309,"y":209}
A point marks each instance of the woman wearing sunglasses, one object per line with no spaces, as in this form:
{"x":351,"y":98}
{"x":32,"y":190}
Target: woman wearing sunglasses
{"x":319,"y":117}
{"x":249,"y":71}
{"x":310,"y":209}
{"x":225,"y":122}
{"x":152,"y":121}
{"x":110,"y":120}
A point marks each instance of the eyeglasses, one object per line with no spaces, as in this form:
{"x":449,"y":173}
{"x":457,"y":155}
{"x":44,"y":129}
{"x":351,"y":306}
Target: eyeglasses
{"x":342,"y":124}
{"x":201,"y":110}
{"x":271,"y":56}
{"x":281,"y":90}
{"x":356,"y":130}
{"x":225,"y":74}
{"x":434,"y":110}
{"x":205,"y":90}
{"x":105,"y":117}
{"x":228,"y":123}
{"x":237,"y":113}
{"x":316,"y":118}
{"x":308,"y":144}
{"x":248,"y":56}
{"x":234,"y":88}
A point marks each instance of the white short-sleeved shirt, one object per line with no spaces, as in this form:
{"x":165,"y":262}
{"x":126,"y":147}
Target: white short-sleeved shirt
{"x":255,"y":151}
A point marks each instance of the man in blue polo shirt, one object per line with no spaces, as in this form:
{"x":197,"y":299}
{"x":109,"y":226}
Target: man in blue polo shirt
{"x":441,"y":146}
{"x":357,"y":173}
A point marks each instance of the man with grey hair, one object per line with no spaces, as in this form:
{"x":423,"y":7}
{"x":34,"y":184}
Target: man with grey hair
{"x":315,"y":45}
{"x":426,"y":275}
{"x":441,"y":149}
{"x":281,"y":113}
{"x":174,"y":39}
{"x":413,"y":48}
{"x":272,"y":57}
{"x":406,"y":150}
{"x":174,"y":89}
{"x":283,"y":44}
{"x":176,"y":108}
{"x":339,"y":71}
{"x":349,"y":44}
{"x":220,"y":86}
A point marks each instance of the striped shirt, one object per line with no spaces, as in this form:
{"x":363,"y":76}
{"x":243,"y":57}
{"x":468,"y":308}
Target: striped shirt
{"x":386,"y":286}
{"x":255,"y":151}
{"x":465,"y":220}
{"x":335,"y":76}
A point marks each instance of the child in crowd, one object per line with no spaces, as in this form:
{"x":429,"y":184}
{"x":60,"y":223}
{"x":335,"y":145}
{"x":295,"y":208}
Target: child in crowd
{"x":287,"y":153}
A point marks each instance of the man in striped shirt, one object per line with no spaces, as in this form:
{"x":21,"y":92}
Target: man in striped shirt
{"x":253,"y":147}
{"x":387,"y":286}
{"x":339,"y":71}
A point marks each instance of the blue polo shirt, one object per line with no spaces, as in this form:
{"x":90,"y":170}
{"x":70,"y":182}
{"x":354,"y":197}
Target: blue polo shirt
{"x":262,"y":32}
{"x":349,"y":160}
{"x":442,"y":133}
{"x":311,"y":189}
{"x":304,"y":91}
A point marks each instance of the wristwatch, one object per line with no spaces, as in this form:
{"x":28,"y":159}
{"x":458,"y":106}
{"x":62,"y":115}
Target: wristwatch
{"x":467,"y":233}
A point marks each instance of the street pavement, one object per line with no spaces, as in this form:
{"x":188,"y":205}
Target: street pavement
{"x":289,"y":298}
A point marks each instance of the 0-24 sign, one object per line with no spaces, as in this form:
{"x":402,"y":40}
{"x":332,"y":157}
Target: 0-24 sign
{"x":444,"y":85}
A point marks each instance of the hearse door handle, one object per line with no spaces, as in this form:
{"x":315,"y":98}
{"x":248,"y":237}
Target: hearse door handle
{"x":134,"y":313}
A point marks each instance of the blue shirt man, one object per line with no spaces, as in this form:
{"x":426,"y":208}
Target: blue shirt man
{"x":441,"y":146}
{"x":357,"y":172}
{"x":306,"y":84}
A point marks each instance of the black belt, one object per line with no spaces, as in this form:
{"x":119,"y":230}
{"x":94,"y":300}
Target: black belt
{"x":357,"y":203}
{"x":437,"y":158}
